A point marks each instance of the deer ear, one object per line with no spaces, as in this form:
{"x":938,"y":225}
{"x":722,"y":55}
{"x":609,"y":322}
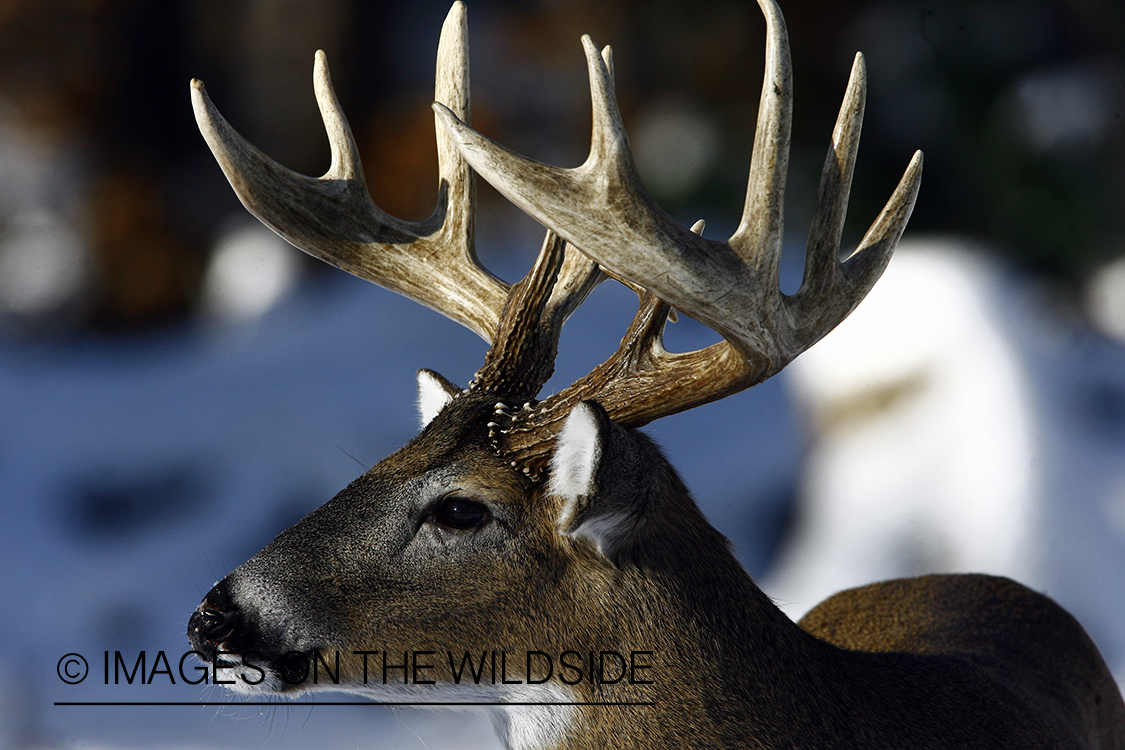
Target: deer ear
{"x":578,"y":452}
{"x":434,"y":392}
{"x":592,"y":509}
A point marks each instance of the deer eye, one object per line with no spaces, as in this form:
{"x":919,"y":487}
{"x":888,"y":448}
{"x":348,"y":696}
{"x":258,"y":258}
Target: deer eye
{"x":461,"y":514}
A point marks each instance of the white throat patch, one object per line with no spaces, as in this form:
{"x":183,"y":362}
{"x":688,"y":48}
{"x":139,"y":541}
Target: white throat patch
{"x":519,"y":726}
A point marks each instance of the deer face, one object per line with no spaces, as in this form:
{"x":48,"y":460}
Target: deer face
{"x":426,"y":542}
{"x":442,"y":550}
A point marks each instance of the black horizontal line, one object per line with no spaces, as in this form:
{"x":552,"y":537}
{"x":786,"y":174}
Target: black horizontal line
{"x":357,"y":703}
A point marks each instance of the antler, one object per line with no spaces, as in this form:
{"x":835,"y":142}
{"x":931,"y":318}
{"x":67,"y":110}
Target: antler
{"x":602,"y":208}
{"x":332,"y":217}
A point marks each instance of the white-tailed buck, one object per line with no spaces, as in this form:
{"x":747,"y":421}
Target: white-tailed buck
{"x":542,"y":557}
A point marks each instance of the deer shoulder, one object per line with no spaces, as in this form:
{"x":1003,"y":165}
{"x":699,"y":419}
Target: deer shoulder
{"x":1018,"y":645}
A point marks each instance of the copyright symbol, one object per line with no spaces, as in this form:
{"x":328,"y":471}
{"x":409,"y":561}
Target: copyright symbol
{"x":72,"y":669}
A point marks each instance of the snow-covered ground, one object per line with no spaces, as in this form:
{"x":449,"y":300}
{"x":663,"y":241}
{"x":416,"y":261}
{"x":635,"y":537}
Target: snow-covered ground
{"x":137,"y":472}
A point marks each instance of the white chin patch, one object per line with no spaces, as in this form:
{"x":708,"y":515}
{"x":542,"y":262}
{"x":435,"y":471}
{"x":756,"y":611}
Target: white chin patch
{"x":245,"y":676}
{"x":525,"y":716}
{"x":544,"y":723}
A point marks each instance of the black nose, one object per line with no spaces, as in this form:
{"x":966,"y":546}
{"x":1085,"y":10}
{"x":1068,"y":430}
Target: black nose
{"x":212,"y":623}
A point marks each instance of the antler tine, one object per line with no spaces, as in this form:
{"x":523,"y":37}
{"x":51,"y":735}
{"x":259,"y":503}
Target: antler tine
{"x":822,"y":261}
{"x":758,"y":239}
{"x":826,"y":279}
{"x":334,"y":218}
{"x":523,"y":356}
{"x":451,"y":88}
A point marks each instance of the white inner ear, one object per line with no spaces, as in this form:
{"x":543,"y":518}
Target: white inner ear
{"x":605,"y":531}
{"x":574,"y":465}
{"x":578,"y":450}
{"x":432,"y":397}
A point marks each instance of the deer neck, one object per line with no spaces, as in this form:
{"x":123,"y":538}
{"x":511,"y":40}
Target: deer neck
{"x":719,"y":645}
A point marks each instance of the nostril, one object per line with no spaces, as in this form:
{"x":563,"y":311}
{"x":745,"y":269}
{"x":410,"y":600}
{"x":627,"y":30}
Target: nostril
{"x":211,"y":624}
{"x":215,"y":625}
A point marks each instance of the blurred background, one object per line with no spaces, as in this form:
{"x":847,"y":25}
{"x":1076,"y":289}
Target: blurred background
{"x":177,"y":385}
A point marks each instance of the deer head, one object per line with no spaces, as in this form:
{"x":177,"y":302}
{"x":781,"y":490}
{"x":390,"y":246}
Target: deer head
{"x":511,"y":546}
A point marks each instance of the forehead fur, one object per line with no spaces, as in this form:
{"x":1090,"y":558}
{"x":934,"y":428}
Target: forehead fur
{"x":459,"y":433}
